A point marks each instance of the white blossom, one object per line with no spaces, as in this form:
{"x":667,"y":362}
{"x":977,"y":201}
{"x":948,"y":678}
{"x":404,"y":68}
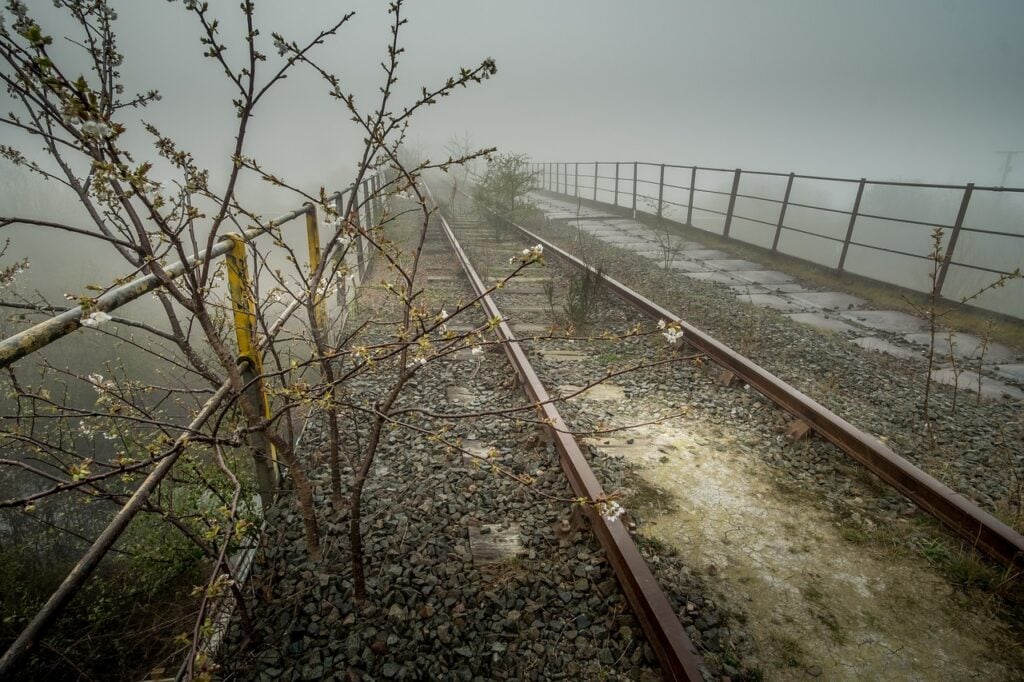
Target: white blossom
{"x":661,"y":324}
{"x":280,"y":46}
{"x":96,"y":129}
{"x":154,"y":191}
{"x":476,"y":350}
{"x":672,"y":335}
{"x":420,"y":361}
{"x":96,"y":319}
{"x":528,"y":255}
{"x":611,"y":511}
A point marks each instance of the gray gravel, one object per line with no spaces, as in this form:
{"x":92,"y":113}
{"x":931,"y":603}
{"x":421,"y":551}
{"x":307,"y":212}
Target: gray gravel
{"x":554,"y":612}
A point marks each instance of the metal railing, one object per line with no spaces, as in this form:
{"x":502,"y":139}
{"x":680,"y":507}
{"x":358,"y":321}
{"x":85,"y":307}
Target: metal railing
{"x":234,"y":247}
{"x":827,"y":220}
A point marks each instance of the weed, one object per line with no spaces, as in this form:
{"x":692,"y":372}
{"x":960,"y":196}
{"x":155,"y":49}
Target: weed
{"x":789,"y":650}
{"x":583,"y":297}
{"x":854,"y":535}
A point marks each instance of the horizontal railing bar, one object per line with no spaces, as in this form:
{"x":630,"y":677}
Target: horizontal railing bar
{"x":812,"y":234}
{"x":826,"y":178}
{"x":29,"y":340}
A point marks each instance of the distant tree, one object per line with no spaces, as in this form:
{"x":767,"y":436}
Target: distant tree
{"x":505,"y":183}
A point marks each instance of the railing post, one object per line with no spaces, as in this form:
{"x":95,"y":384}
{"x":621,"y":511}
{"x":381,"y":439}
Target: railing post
{"x":960,"y":216}
{"x":243,"y":308}
{"x":548,"y":180}
{"x":378,"y":202}
{"x":689,"y":204}
{"x":616,"y":183}
{"x":732,"y":202}
{"x":661,"y":188}
{"x":576,"y":181}
{"x":634,"y":190}
{"x":358,"y":239}
{"x":782,"y":213}
{"x":558,"y":177}
{"x":367,"y":188}
{"x":849,"y":229}
{"x":595,"y":180}
{"x":313,"y":241}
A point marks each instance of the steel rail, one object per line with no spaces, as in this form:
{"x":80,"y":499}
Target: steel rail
{"x":678,"y":657}
{"x":975,"y":525}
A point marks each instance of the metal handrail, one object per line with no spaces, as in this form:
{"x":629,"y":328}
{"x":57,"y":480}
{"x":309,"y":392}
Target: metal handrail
{"x":555,"y":177}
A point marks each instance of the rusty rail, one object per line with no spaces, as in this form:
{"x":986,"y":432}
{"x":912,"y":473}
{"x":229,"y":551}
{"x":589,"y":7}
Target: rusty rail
{"x":678,"y":657}
{"x":975,"y":525}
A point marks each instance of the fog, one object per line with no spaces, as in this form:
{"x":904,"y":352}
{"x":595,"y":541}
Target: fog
{"x":916,"y":90}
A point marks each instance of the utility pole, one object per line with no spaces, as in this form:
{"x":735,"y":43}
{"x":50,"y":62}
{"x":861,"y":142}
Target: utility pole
{"x":1008,"y":163}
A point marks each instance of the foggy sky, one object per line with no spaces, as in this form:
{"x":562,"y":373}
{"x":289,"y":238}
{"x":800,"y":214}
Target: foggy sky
{"x":912,"y":89}
{"x":916,"y":89}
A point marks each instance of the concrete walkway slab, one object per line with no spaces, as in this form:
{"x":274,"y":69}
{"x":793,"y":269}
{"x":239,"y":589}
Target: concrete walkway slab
{"x":990,"y":388}
{"x":729,"y":264}
{"x":818,"y":321}
{"x":1012,"y":372}
{"x":688,"y":265}
{"x":886,"y":320}
{"x":705,"y":254}
{"x":764,"y":276}
{"x":714,"y":277}
{"x":964,"y":346}
{"x":883,"y":346}
{"x":772,"y":301}
{"x":749,"y":289}
{"x":785,"y":287}
{"x":828,"y":300}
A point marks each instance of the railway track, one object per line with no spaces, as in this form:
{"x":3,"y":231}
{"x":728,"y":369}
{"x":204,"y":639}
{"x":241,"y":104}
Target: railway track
{"x":526,"y":592}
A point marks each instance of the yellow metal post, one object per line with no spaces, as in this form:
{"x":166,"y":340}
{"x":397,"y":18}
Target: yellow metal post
{"x":313,"y":238}
{"x":243,"y":308}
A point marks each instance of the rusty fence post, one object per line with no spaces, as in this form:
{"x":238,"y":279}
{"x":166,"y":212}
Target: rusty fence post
{"x":782,"y":213}
{"x":616,"y":183}
{"x":243,"y":306}
{"x":960,"y":216}
{"x":732,"y":202}
{"x":661,"y":188}
{"x":689,"y":205}
{"x":853,"y":221}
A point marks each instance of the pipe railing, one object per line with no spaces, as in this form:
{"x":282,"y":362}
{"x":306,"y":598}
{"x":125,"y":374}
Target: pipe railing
{"x":610,"y":180}
{"x":234,"y":248}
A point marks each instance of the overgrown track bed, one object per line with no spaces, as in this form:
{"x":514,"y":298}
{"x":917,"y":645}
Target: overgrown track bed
{"x":444,"y":603}
{"x":793,"y":537}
